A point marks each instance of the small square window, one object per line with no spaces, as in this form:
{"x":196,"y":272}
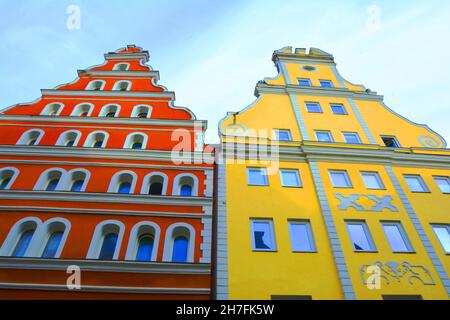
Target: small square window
{"x":324,"y":136}
{"x":283,"y":135}
{"x":313,"y":107}
{"x":326,"y":84}
{"x":372,"y":181}
{"x":416,"y":184}
{"x":263,"y":235}
{"x":360,"y":237}
{"x":391,"y":142}
{"x":302,"y":239}
{"x":443,"y":234}
{"x":338,"y":109}
{"x":304,"y":82}
{"x":397,"y":238}
{"x":340,"y":179}
{"x":257,"y":177}
{"x":352,"y":138}
{"x":443,"y":184}
{"x":290,"y":178}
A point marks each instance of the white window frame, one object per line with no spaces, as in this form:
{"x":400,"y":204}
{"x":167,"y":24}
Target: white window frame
{"x":347,"y":178}
{"x":116,"y":181}
{"x":136,"y":110}
{"x":391,"y":137}
{"x":45,"y":111}
{"x":377,"y":176}
{"x":25,"y":140}
{"x":13,"y":178}
{"x":176,"y":189}
{"x":148,"y":178}
{"x":140,"y":229}
{"x":272,"y":234}
{"x":90,"y":86}
{"x":44,"y":180}
{"x":106,"y":109}
{"x":315,"y":103}
{"x":169,"y":241}
{"x":68,"y":179}
{"x":330,"y":135}
{"x":419,"y":178}
{"x":78,"y":109}
{"x":404,"y":235}
{"x":444,"y":226}
{"x":277,"y":134}
{"x":291,"y":171}
{"x":16,"y":232}
{"x":447,"y":179}
{"x":63,"y":138}
{"x":117,"y":66}
{"x":367,"y":233}
{"x":355,"y":134}
{"x":44,"y":233}
{"x":304,"y":79}
{"x":118,"y":83}
{"x":101,"y":230}
{"x":328,"y":81}
{"x":130,"y":140}
{"x":310,"y":234}
{"x":90,"y":139}
{"x":264,"y":170}
{"x":340,"y":106}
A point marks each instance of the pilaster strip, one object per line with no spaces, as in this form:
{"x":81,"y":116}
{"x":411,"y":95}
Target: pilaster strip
{"x":361,"y":121}
{"x":287,"y":78}
{"x":420,"y":231}
{"x":222,"y":289}
{"x":338,"y":76}
{"x":298,"y":115}
{"x":338,"y":253}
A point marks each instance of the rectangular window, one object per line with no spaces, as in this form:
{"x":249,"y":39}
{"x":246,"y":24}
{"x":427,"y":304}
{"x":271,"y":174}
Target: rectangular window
{"x":340,"y":179}
{"x":391,"y":142}
{"x":416,"y":183}
{"x":304,"y":82}
{"x":397,"y":238}
{"x":313,"y":107}
{"x":352,"y":138}
{"x":290,"y":178}
{"x":324,"y":136}
{"x":257,"y":177}
{"x":360,"y":237}
{"x":283,"y":135}
{"x":443,"y":234}
{"x":326,"y":84}
{"x":372,"y":180}
{"x":443,"y":184}
{"x":302,"y":238}
{"x":263,"y":235}
{"x":338,"y":109}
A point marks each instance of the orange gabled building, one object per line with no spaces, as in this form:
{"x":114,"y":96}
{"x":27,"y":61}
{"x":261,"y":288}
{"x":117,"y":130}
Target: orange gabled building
{"x":106,"y":176}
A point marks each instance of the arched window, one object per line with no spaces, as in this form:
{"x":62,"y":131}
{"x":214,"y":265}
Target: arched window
{"x":143,"y":243}
{"x":83,"y":110}
{"x":50,"y":180}
{"x":7,"y":177}
{"x":31,"y":137}
{"x":19,"y":240}
{"x":155,"y":184}
{"x":121,"y":66}
{"x":106,"y":242}
{"x":23,"y":243}
{"x":136,"y":141}
{"x":69,"y":139}
{"x":186,"y":185}
{"x":122,"y":86}
{"x":53,"y":109}
{"x":110,"y":111}
{"x":142,"y":112}
{"x":76,"y":180}
{"x":96,"y":85}
{"x":123,"y":182}
{"x":96,"y":140}
{"x":52,"y":245}
{"x":179,"y":243}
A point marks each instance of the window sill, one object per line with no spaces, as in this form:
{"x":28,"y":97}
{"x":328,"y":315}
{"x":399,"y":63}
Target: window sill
{"x":264,"y":251}
{"x":372,"y":252}
{"x":411,"y":252}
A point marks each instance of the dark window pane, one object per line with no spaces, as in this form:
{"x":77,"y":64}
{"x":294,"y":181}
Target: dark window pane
{"x":136,"y":146}
{"x":108,"y":247}
{"x":143,"y":115}
{"x":77,"y":186}
{"x":110,"y":114}
{"x":145,"y":248}
{"x":52,"y":245}
{"x":156,"y":189}
{"x":52,"y":185}
{"x":32,"y":142}
{"x":23,"y":244}
{"x":180,"y":249}
{"x":4,"y":183}
{"x":98,"y":144}
{"x":70,"y":143}
{"x":186,"y":191}
{"x":125,"y":188}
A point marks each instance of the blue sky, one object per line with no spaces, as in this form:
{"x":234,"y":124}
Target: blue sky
{"x":212,"y":53}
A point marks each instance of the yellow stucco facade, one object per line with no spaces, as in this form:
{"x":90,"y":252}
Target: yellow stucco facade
{"x":344,"y":203}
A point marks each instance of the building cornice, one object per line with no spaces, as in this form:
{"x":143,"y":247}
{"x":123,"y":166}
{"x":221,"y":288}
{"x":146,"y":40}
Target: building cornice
{"x":125,"y":154}
{"x":104,"y":266}
{"x":262,"y":88}
{"x":118,"y":94}
{"x":105,"y":120}
{"x":117,"y":73}
{"x":128,"y":56}
{"x":104,"y":198}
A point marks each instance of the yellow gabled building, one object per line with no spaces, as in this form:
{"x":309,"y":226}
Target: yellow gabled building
{"x":326,"y":193}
